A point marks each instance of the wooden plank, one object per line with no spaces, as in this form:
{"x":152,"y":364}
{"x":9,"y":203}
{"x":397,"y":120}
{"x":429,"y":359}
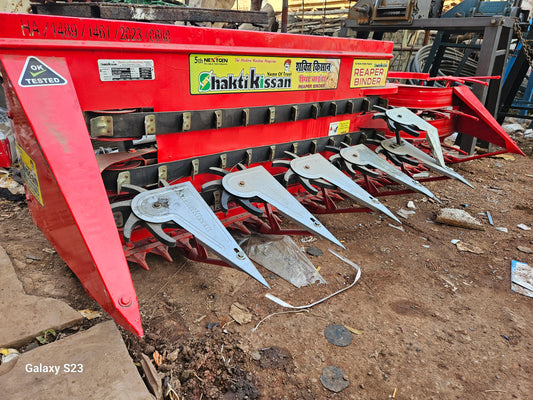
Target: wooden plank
{"x":297,"y":5}
{"x":456,"y":25}
{"x":141,"y":12}
{"x":83,"y":10}
{"x":319,"y":12}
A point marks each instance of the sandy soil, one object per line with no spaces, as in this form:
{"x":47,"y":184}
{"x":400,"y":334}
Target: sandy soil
{"x":434,"y":322}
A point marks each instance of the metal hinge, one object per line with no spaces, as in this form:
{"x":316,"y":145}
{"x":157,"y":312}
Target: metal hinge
{"x":124,"y":178}
{"x":149,"y":124}
{"x":102,"y":126}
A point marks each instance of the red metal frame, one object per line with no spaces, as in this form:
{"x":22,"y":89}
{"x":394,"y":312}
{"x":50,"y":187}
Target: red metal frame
{"x":49,"y":124}
{"x":465,"y":113}
{"x":75,"y":215}
{"x":454,"y":109}
{"x":72,"y":207}
{"x":5,"y":154}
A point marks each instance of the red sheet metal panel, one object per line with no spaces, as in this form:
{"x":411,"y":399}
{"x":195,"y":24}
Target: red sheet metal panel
{"x":170,"y":55}
{"x":65,"y":192}
{"x":486,"y":127}
{"x":5,"y":153}
{"x":83,"y":42}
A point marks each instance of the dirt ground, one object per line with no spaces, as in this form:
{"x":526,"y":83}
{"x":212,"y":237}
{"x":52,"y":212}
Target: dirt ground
{"x":431,"y":321}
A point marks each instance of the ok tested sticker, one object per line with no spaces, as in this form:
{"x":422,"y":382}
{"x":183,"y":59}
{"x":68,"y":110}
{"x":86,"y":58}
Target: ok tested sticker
{"x":369,"y":73}
{"x":210,"y":74}
{"x":36,"y":73}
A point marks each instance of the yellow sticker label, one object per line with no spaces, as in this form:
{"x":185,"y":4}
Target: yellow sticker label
{"x":215,"y":73}
{"x":29,"y":174}
{"x":369,"y":73}
{"x":339,"y":127}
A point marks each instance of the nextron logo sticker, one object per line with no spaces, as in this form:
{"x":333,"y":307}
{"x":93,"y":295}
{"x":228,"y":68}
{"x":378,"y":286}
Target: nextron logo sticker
{"x":37,"y":73}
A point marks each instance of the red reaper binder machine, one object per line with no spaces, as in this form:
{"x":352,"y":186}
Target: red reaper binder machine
{"x":133,"y":137}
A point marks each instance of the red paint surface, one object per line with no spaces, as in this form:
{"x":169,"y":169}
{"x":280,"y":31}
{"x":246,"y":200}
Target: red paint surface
{"x":75,"y":215}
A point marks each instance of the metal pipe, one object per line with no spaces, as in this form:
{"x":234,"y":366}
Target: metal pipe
{"x":406,"y":48}
{"x":284,"y":15}
{"x":303,"y":7}
{"x":255,"y":5}
{"x":324,"y":19}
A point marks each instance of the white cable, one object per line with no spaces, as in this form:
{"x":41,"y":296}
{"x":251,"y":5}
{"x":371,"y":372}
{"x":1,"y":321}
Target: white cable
{"x":302,"y":308}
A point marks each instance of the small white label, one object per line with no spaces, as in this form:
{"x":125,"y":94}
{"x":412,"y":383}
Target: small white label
{"x":339,"y":127}
{"x":126,"y":70}
{"x":333,"y":128}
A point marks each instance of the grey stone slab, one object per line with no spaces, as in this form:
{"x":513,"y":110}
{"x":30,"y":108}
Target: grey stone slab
{"x":23,"y":317}
{"x":104,"y":369}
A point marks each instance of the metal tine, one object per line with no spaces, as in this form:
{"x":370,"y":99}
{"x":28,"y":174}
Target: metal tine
{"x":376,"y":141}
{"x":315,"y":166}
{"x":407,"y":149}
{"x":257,"y":182}
{"x":157,"y":231}
{"x":133,"y":188}
{"x":183,"y":205}
{"x":371,"y":141}
{"x":398,"y":159}
{"x":361,"y":156}
{"x":352,"y":168}
{"x":339,"y":161}
{"x":131,"y":223}
{"x":290,"y":175}
{"x":432,"y":134}
{"x":393,"y":158}
{"x":402,"y":119}
{"x":124,"y":205}
{"x":226,"y":197}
